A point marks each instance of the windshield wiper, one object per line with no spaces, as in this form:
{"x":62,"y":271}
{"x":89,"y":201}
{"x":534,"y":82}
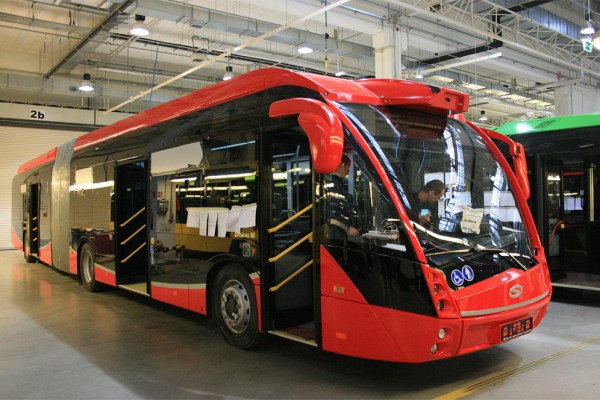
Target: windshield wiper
{"x":503,"y":253}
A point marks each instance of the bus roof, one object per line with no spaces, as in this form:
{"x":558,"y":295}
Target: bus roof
{"x":372,"y":91}
{"x":550,"y":124}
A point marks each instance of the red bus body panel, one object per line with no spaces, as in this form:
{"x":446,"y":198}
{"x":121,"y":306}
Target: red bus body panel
{"x":350,"y":325}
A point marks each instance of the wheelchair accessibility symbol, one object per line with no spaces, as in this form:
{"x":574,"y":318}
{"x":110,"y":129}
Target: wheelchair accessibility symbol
{"x":457,"y":277}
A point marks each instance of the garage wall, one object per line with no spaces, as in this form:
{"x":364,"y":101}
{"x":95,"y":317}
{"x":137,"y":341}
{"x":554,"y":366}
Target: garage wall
{"x":18,"y":145}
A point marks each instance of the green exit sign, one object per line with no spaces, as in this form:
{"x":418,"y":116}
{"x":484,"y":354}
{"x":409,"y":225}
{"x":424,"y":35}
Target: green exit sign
{"x":587,"y":45}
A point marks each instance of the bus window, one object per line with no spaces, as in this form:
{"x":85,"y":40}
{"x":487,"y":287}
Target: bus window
{"x":358,"y":211}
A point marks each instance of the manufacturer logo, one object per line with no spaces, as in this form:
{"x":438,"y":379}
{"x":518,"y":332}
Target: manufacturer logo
{"x":515,"y":291}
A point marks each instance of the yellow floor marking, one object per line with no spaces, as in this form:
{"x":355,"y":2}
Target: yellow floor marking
{"x":457,"y":394}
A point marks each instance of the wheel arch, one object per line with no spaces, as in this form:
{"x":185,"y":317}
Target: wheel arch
{"x":219,"y":262}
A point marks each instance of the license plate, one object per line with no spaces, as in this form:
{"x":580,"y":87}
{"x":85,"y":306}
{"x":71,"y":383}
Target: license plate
{"x":516,"y":329}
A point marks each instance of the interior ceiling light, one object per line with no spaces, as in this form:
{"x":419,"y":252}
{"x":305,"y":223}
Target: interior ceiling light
{"x":139,"y":28}
{"x":86,"y":83}
{"x":483,"y":117}
{"x":228,"y":73}
{"x":305,"y":49}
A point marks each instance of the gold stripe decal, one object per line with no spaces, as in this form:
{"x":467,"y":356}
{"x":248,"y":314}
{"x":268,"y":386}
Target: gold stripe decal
{"x":467,"y":390}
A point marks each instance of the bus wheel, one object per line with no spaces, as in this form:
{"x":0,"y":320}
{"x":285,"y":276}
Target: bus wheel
{"x":234,"y":307}
{"x":86,"y":265}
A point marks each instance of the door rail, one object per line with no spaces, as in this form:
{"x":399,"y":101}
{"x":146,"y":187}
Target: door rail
{"x":292,"y":247}
{"x":140,"y":229}
{"x":132,"y":217}
{"x":133,"y":234}
{"x":289,"y":278}
{"x":290,"y":219}
{"x":123,"y":261}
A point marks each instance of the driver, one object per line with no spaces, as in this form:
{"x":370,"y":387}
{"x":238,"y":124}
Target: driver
{"x":427,"y":202}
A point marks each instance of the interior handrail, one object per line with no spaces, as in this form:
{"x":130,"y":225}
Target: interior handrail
{"x":133,"y":234}
{"x":123,"y":261}
{"x":290,"y":219}
{"x":292,"y":247}
{"x":289,"y":278}
{"x":132,"y":217}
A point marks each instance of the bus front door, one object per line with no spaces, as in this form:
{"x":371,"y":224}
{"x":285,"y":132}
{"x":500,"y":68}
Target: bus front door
{"x":287,"y":271}
{"x":131,"y":227}
{"x":574,"y":234}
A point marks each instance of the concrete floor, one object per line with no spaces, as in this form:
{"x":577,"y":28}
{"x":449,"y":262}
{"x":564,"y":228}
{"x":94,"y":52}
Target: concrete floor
{"x":58,"y":341}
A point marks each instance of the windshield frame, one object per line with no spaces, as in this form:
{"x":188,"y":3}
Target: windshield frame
{"x":371,"y":141}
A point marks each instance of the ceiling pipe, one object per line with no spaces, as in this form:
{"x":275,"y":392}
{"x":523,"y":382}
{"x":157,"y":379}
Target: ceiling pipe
{"x":494,"y":44}
{"x":104,"y":25}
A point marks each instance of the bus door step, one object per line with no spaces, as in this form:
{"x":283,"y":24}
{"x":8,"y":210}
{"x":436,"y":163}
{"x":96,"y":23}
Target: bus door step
{"x":295,"y":338}
{"x":139,"y":288}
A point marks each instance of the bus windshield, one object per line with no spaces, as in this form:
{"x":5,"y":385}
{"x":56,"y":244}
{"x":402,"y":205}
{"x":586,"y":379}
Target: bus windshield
{"x":455,"y":193}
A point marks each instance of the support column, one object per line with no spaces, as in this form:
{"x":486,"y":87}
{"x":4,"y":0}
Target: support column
{"x":575,"y":99}
{"x":389,"y":45}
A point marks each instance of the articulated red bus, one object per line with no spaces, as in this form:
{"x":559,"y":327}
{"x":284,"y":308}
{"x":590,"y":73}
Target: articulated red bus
{"x":222,"y":202}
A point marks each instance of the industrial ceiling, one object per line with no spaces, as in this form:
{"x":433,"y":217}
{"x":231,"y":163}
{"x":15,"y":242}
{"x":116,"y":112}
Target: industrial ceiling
{"x":510,"y":55}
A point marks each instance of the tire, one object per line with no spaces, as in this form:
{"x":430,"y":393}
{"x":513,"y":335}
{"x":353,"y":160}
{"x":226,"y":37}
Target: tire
{"x":86,"y":269}
{"x":234,"y":307}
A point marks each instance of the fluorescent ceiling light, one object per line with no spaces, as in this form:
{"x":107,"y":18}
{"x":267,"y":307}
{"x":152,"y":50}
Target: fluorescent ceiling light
{"x":441,"y":78}
{"x":473,"y":86}
{"x":459,"y":63}
{"x":181,"y":180}
{"x":495,"y":92}
{"x":515,"y":97}
{"x":90,"y":186}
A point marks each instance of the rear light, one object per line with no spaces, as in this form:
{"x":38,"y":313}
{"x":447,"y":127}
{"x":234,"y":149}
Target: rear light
{"x":440,"y":305}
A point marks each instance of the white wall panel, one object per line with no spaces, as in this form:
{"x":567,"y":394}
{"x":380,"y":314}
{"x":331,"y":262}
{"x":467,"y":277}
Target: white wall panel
{"x":17,"y":146}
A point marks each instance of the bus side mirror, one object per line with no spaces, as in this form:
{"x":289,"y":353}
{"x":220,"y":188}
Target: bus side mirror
{"x":517,"y":152}
{"x":322,"y":126}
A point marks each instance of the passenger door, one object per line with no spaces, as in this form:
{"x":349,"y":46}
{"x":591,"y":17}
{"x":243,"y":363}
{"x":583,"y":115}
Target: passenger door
{"x":288,"y":273}
{"x":32,"y":240}
{"x":131,"y":226}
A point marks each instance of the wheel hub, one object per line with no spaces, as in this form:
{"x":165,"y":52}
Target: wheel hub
{"x":235,"y":307}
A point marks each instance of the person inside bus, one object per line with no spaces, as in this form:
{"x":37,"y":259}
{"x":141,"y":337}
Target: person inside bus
{"x":340,"y":204}
{"x":427,"y":202}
